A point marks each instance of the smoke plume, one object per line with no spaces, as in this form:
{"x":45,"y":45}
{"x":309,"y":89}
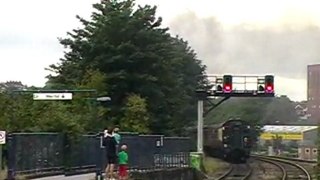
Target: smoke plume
{"x":244,"y":49}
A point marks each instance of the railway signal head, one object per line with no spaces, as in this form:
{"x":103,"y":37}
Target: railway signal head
{"x":260,"y":88}
{"x":219,"y":82}
{"x":269,"y":84}
{"x":261,"y":84}
{"x":227,"y":83}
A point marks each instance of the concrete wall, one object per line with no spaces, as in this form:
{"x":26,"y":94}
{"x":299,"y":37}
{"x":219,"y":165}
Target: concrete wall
{"x":308,"y":152}
{"x":168,"y":174}
{"x":310,"y":136}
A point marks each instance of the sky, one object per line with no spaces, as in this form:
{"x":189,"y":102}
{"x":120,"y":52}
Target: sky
{"x":279,"y":37}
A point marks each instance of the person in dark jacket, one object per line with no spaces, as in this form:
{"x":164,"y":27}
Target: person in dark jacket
{"x":110,"y":145}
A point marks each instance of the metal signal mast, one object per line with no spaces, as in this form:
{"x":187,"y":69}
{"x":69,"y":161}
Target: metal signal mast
{"x":227,"y":86}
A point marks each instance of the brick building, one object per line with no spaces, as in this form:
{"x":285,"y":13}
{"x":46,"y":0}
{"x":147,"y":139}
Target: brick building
{"x":313,"y":92}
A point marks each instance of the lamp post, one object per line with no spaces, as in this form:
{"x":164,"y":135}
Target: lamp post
{"x":94,"y":102}
{"x":103,"y":99}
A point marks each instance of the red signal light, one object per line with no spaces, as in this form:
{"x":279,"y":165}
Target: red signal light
{"x":227,"y":88}
{"x":227,"y":83}
{"x":269,"y":88}
{"x":269,"y":84}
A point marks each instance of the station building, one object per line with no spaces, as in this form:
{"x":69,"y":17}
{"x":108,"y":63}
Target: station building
{"x":305,"y":137}
{"x":289,"y":132}
{"x":313,"y":93}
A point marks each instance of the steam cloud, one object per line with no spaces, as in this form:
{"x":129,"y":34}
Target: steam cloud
{"x":285,"y":52}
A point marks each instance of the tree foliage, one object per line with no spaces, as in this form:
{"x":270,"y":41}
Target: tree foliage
{"x":124,"y":53}
{"x":136,"y":56}
{"x":23,"y":114}
{"x":278,"y":110}
{"x":151,"y":76}
{"x":136,"y":117}
{"x":20,"y":113}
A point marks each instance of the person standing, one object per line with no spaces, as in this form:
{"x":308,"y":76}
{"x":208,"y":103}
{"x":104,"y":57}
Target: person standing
{"x":117,"y":135}
{"x":123,"y":163}
{"x":110,"y":146}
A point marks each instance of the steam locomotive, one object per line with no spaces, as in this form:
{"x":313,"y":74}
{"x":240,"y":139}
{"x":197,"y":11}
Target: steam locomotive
{"x":231,"y":140}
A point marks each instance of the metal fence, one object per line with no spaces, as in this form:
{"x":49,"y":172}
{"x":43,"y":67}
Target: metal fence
{"x":40,"y":153}
{"x":171,"y":160}
{"x":83,"y":153}
{"x":176,"y":144}
{"x":34,"y":152}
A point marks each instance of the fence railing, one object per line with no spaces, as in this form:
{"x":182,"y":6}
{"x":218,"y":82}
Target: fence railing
{"x":171,"y":160}
{"x":41,"y":153}
{"x":34,"y":152}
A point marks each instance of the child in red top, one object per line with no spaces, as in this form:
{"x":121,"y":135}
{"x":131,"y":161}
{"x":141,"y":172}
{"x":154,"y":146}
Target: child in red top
{"x":123,"y":163}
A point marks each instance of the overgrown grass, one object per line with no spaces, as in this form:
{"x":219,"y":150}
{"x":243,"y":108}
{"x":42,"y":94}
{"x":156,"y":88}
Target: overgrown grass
{"x":3,"y":175}
{"x":212,"y":165}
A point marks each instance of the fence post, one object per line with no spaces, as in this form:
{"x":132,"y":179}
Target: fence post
{"x":99,"y":162}
{"x":11,"y":152}
{"x":66,"y":154}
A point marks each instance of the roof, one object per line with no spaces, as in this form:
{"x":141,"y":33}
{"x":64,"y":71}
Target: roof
{"x":313,"y":65}
{"x":278,"y":128}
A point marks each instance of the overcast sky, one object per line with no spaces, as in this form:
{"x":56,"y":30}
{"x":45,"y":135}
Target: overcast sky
{"x":241,"y":37}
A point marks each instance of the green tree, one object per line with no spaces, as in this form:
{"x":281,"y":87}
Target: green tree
{"x":255,"y":110}
{"x":136,"y":117}
{"x":20,"y":113}
{"x":86,"y":105}
{"x":136,"y":55}
{"x":28,"y":115}
{"x":281,"y":110}
{"x":249,"y":109}
{"x":93,"y":79}
{"x":5,"y":103}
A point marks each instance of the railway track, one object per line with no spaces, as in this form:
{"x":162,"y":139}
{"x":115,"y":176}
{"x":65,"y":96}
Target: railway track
{"x":237,"y":172}
{"x":295,"y":159}
{"x":289,"y":169}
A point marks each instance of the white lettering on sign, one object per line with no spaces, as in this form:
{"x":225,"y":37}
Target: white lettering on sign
{"x":52,"y":96}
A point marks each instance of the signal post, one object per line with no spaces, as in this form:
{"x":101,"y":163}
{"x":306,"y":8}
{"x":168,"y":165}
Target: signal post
{"x":227,"y":86}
